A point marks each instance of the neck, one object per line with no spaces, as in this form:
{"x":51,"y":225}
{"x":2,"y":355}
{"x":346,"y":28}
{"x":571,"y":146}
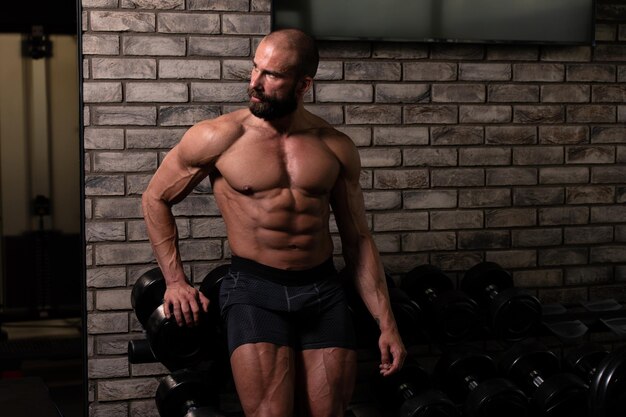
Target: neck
{"x":289,"y":123}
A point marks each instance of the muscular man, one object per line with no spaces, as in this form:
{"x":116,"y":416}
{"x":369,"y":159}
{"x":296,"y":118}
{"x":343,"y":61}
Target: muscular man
{"x":276,"y":171}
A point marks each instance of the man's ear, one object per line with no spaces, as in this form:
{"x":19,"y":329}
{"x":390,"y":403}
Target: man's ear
{"x":304,"y":85}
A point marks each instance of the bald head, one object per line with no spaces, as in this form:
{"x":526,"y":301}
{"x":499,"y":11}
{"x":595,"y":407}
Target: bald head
{"x":301,"y":44}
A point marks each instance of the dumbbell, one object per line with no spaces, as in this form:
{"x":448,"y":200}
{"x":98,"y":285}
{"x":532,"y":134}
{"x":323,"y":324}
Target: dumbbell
{"x":187,"y":393}
{"x":605,"y":373}
{"x":409,"y":393}
{"x":470,"y":377}
{"x":537,"y":371}
{"x":173,"y":345}
{"x":513,"y":314}
{"x":449,"y":315}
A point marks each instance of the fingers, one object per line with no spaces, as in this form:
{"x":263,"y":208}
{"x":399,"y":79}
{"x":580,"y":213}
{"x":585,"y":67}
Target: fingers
{"x":392,"y":358}
{"x":185,"y":304}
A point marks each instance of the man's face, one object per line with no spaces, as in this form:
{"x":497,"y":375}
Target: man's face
{"x":273,"y":84}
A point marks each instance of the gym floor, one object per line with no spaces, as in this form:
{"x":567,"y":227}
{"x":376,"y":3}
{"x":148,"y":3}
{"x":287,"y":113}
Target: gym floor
{"x":46,"y":353}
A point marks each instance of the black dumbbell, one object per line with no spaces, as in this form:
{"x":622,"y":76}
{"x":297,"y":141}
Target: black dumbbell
{"x":513,"y":314}
{"x":187,"y":393}
{"x":537,"y":371}
{"x":605,"y":373}
{"x":449,"y":315}
{"x":470,"y":377}
{"x":409,"y":393}
{"x":173,"y":345}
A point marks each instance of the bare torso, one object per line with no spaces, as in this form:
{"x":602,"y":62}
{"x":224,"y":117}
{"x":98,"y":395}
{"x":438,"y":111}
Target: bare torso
{"x":273,"y":191}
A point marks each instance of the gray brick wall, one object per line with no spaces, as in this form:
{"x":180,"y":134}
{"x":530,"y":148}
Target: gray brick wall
{"x":508,"y":153}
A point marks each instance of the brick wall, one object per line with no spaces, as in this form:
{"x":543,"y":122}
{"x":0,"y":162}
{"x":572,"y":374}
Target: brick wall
{"x":513,"y":154}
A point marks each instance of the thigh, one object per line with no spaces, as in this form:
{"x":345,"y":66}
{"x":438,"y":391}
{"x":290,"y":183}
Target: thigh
{"x":264,"y":376}
{"x":326,"y":379}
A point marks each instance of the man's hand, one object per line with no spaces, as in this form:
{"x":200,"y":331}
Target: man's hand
{"x":185,"y":302}
{"x":392,"y":352}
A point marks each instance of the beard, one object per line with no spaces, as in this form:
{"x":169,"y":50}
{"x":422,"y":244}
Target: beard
{"x":271,"y":108}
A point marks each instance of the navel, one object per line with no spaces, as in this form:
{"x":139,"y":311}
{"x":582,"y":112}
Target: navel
{"x":247,"y":190}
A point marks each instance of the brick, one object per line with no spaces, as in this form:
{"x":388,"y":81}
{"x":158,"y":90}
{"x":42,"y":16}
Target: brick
{"x":219,"y":5}
{"x":511,"y":176}
{"x":118,"y":115}
{"x":399,"y":50}
{"x":97,"y":138}
{"x":484,"y":239}
{"x":563,"y":256}
{"x":608,"y":134}
{"x":538,"y":278}
{"x":512,"y":53}
{"x":147,"y":369}
{"x":200,"y":250}
{"x":104,"y":185}
{"x":126,"y":68}
{"x":108,"y":409}
{"x":383,"y":71}
{"x":536,"y":237}
{"x":400,"y":135}
{"x":563,"y":135}
{"x":159,"y":92}
{"x":509,"y":259}
{"x":563,"y":295}
{"x":429,"y":71}
{"x":590,"y":73}
{"x":614,"y":174}
{"x":430,"y":114}
{"x":608,"y":93}
{"x":590,"y":195}
{"x":117,"y":208}
{"x":125,"y":389}
{"x":388,"y":243}
{"x":510,"y":217}
{"x":484,"y":72}
{"x":430,"y":157}
{"x":186,"y":115}
{"x":404,"y":178}
{"x":106,"y":277}
{"x":393,"y":222}
{"x":485,"y":114}
{"x":590,"y":155}
{"x":143,"y":409}
{"x":338,"y":93}
{"x":153,"y":138}
{"x":600,"y":254}
{"x":555,"y":216}
{"x":591,"y":114}
{"x":154,"y":4}
{"x":105,"y":232}
{"x":376,"y":158}
{"x":457,"y":177}
{"x":510,"y":135}
{"x":193,"y":69}
{"x":123,"y":253}
{"x":188,"y":23}
{"x":484,"y":156}
{"x":588,"y":275}
{"x":154,"y":45}
{"x":237,"y":69}
{"x":456,"y":135}
{"x":329,"y":70}
{"x":566,"y":53}
{"x":430,"y":199}
{"x":116,"y":21}
{"x":456,"y":261}
{"x":99,"y":3}
{"x":610,"y":10}
{"x":196,"y":205}
{"x":539,"y":114}
{"x":208,"y":227}
{"x":333,"y":114}
{"x":539,"y":72}
{"x":456,"y":219}
{"x":382,"y":200}
{"x":588,"y":235}
{"x":219,"y":46}
{"x":512,"y":93}
{"x":538,"y":155}
{"x":563,"y":93}
{"x":372,"y":114}
{"x":215,"y":92}
{"x":100,"y":323}
{"x":246,"y":24}
{"x":621,"y":73}
{"x":485,"y":197}
{"x":605,"y":32}
{"x":402,"y":93}
{"x":464,"y":93}
{"x":100,"y":44}
{"x":563,"y":175}
{"x":361,"y":136}
{"x":115,"y":299}
{"x":461,"y":52}
{"x":538,"y":196}
{"x":124,"y":161}
{"x":344,"y":49}
{"x":428,"y":241}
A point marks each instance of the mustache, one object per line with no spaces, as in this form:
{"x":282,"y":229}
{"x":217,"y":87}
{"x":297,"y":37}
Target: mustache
{"x":256,"y":94}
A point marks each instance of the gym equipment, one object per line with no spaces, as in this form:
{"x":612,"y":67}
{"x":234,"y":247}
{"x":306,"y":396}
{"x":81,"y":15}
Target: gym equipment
{"x":470,"y":377}
{"x":407,"y":314}
{"x":409,"y":392}
{"x":537,"y":371}
{"x":139,"y":352}
{"x":173,"y":345}
{"x":187,"y":393}
{"x":450,"y":316}
{"x":605,"y":373}
{"x":513,"y":313}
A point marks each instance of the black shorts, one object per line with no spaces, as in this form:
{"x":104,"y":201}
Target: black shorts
{"x":301,"y":309}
